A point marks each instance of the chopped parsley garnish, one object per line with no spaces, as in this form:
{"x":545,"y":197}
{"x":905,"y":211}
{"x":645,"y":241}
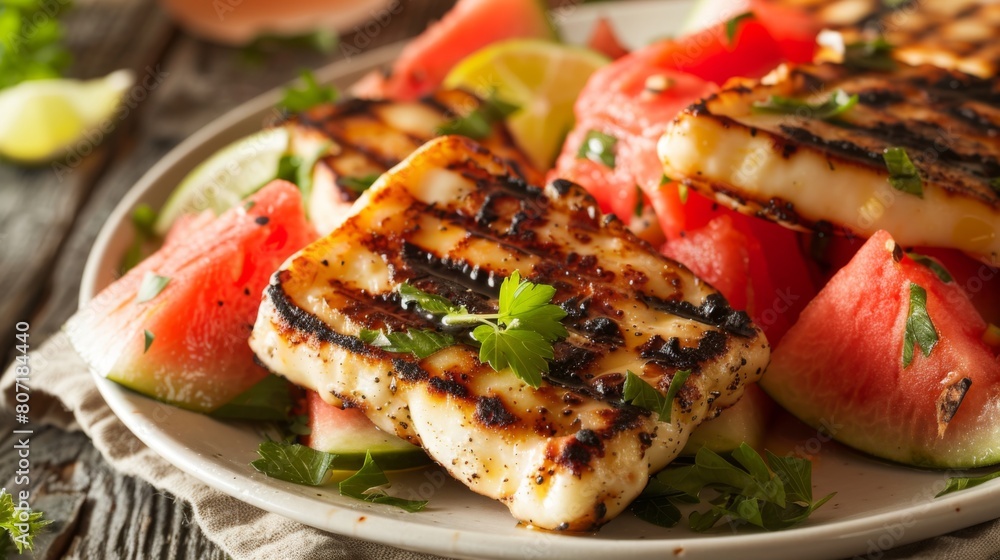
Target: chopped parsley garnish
{"x":148,"y":338}
{"x":937,"y":268}
{"x":957,"y":483}
{"x":640,"y":202}
{"x":875,"y":54}
{"x":746,"y":491}
{"x":152,"y":285}
{"x":835,"y":105}
{"x":479,"y":123}
{"x":640,"y":393}
{"x":920,"y":329}
{"x":598,"y":147}
{"x":308,"y":96}
{"x":367,"y":483}
{"x":359,"y":184}
{"x":293,"y":462}
{"x":20,"y":525}
{"x":296,"y":463}
{"x":903,"y":175}
{"x":733,"y":25}
{"x":420,"y":343}
{"x":519,"y":336}
{"x":995,"y":184}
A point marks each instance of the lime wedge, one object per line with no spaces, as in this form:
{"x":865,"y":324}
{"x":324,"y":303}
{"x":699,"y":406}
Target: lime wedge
{"x":541,"y":77}
{"x":47,"y":119}
{"x":227,"y":177}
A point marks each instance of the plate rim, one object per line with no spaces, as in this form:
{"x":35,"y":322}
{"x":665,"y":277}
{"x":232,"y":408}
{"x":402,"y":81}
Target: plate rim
{"x":840,"y":538}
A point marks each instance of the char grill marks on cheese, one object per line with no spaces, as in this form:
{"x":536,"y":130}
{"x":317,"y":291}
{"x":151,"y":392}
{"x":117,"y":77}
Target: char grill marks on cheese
{"x":954,"y":34}
{"x":830,"y":175}
{"x":362,"y":138}
{"x":455,"y":220}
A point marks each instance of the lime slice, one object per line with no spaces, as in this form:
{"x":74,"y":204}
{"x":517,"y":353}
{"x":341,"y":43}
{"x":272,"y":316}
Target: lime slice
{"x":46,"y":119}
{"x":541,"y":77}
{"x":227,"y":177}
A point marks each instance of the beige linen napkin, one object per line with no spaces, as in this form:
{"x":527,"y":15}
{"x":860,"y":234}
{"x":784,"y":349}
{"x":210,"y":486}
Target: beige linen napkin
{"x":64,"y":395}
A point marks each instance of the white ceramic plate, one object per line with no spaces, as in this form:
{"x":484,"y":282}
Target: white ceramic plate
{"x":877,"y":506}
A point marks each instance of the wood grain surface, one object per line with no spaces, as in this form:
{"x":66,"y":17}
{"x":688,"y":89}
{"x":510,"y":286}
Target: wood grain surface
{"x":50,"y":216}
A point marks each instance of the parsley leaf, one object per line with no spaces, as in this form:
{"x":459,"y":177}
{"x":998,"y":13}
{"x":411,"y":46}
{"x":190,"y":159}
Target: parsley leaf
{"x":268,"y":400}
{"x":958,"y":483}
{"x":420,"y":343}
{"x":519,"y":336}
{"x":22,"y":526}
{"x":527,"y":325}
{"x":937,"y":268}
{"x":366,"y":485}
{"x":293,"y":462}
{"x":152,"y":285}
{"x":640,"y":202}
{"x":148,"y":338}
{"x":527,"y":305}
{"x":358,"y":184}
{"x":903,"y":175}
{"x":308,"y":96}
{"x":638,"y":392}
{"x":525,"y":352}
{"x":598,"y":147}
{"x":919,"y":328}
{"x":747,"y":491}
{"x":875,"y":54}
{"x":479,"y":123}
{"x":733,"y":25}
{"x":431,"y":303}
{"x":834,"y":106}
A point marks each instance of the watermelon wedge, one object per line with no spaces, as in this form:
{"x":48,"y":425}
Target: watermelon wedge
{"x":176,"y":326}
{"x":842,"y":365}
{"x":350,"y":435}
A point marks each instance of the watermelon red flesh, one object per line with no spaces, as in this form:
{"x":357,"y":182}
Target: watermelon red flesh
{"x":604,"y":40}
{"x":200,"y":322}
{"x":734,"y":263}
{"x":767,"y":255}
{"x":616,"y":102}
{"x":466,"y":28}
{"x":841,"y":366}
{"x":349,"y":434}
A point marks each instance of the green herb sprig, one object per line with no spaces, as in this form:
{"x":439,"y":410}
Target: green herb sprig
{"x":958,"y":483}
{"x":638,"y":392}
{"x":598,"y":147}
{"x":746,"y":490}
{"x":519,"y":336}
{"x":311,"y":94}
{"x":836,"y":105}
{"x":478,"y":124}
{"x":21,"y":526}
{"x":903,"y":175}
{"x":296,"y":463}
{"x":920,"y":329}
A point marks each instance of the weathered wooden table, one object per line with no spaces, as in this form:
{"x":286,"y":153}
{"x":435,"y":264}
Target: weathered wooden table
{"x":50,"y":216}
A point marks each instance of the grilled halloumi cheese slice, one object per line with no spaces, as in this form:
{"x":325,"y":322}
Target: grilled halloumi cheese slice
{"x":455,"y":220}
{"x":358,"y":139}
{"x":954,"y":34}
{"x":830,"y":175}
